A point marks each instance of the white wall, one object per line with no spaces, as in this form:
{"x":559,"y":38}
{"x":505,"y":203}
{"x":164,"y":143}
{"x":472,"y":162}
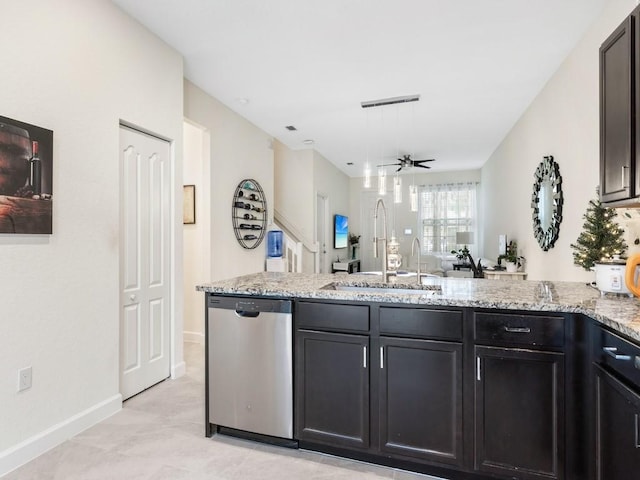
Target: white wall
{"x":239,"y":150}
{"x":76,"y":68}
{"x":334,"y":185}
{"x":196,"y":141}
{"x":293,"y":196}
{"x":301,"y":175}
{"x":562,"y":121}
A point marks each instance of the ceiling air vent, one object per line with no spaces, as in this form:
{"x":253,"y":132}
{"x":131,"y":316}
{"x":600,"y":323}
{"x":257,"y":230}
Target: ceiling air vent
{"x":291,"y":128}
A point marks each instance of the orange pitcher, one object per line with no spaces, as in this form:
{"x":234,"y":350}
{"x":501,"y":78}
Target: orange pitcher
{"x":630,"y":277}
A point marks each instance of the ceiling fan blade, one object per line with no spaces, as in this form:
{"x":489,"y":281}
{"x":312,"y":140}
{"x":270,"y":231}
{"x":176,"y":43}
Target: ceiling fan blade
{"x":421,"y":161}
{"x":387,"y":164}
{"x":399,"y":169}
{"x":422,"y":166}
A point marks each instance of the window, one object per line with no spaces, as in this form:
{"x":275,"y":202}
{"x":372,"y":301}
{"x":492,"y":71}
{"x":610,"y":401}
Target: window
{"x":443,"y":211}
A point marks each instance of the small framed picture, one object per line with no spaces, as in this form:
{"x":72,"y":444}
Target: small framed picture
{"x":188,"y":204}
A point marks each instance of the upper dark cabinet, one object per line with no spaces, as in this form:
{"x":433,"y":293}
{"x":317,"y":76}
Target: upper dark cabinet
{"x":619,"y":97}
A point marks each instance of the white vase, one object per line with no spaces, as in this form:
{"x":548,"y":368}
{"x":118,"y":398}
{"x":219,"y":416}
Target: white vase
{"x":512,"y":267}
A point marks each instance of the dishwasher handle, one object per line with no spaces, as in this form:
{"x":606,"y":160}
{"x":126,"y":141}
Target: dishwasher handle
{"x":248,"y":314}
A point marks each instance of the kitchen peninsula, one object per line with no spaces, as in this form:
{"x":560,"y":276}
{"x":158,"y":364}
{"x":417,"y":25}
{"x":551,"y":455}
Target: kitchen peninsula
{"x":459,"y":378}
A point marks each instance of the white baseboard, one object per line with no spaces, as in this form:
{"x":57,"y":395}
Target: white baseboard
{"x":178,"y":370}
{"x":193,"y":337}
{"x":18,"y":455}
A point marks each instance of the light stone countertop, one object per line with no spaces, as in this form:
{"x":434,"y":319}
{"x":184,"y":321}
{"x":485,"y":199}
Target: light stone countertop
{"x":618,"y":312}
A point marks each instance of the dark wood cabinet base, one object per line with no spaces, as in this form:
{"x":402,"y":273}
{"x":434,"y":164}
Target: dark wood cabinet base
{"x":452,"y":392}
{"x":409,"y":464}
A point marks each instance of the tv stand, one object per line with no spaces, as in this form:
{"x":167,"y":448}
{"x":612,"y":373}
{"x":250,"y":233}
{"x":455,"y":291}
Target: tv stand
{"x":349,"y":266}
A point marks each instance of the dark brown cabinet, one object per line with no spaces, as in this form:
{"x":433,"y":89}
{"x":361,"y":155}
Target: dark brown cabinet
{"x":332,"y":374}
{"x":519,"y":411}
{"x":616,"y":409}
{"x":617,"y":428}
{"x":414,"y":410}
{"x":421,"y":399}
{"x":333,"y":388}
{"x":459,"y":393}
{"x":419,"y":374}
{"x":519,"y":395}
{"x":619,"y":106}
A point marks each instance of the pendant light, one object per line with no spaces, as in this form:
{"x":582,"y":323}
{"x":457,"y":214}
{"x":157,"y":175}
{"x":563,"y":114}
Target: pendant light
{"x":382,"y":181}
{"x":397,"y":189}
{"x":413,"y":197}
{"x":382,"y":173}
{"x":413,"y":188}
{"x":397,"y":181}
{"x":367,"y":168}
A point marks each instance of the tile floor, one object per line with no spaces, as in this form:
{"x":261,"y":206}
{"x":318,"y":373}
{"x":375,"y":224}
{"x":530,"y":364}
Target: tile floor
{"x":159,"y":435}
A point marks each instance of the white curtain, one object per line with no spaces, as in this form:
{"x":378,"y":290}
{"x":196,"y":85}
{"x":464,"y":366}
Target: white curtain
{"x":444,"y":210}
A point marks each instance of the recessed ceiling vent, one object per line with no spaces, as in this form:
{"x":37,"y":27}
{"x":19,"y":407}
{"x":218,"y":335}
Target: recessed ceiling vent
{"x":291,"y":128}
{"x":390,"y":101}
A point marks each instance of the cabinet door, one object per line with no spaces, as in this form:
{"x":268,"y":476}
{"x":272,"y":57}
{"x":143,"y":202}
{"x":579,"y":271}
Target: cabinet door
{"x":421,"y":399}
{"x":617,"y":429}
{"x":617,"y":166}
{"x":332,"y":388}
{"x":519,"y":413}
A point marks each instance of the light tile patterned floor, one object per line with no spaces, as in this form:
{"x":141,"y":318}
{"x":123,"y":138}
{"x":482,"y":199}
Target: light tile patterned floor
{"x":159,"y":435}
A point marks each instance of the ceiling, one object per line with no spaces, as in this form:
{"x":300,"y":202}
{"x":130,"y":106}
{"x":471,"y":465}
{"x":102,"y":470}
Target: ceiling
{"x":476,"y":65}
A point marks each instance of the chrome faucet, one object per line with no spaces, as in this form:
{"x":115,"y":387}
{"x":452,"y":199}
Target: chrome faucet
{"x":413,"y":245}
{"x":385,"y":273}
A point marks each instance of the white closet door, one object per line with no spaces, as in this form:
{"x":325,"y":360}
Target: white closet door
{"x":145,"y":280}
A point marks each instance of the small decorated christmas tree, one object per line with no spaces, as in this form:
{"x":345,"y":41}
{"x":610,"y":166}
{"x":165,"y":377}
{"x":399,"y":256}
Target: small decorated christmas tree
{"x":601,"y":239}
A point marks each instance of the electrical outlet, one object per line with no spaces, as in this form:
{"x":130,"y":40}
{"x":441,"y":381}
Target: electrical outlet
{"x":24,"y":378}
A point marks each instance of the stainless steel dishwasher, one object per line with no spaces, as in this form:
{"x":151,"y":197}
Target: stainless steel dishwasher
{"x":250,"y":365}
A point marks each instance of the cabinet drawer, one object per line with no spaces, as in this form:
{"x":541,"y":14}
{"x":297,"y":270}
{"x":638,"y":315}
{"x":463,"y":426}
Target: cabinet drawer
{"x":421,"y":322}
{"x":618,"y":354}
{"x":332,"y":317}
{"x":519,"y":329}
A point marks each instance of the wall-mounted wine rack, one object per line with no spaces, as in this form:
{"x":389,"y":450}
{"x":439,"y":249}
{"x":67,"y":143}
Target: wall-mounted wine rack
{"x":249,"y":213}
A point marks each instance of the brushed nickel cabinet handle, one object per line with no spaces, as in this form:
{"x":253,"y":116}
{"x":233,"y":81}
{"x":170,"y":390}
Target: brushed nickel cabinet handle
{"x":613,"y":352}
{"x":624,"y":171}
{"x":478,"y":368}
{"x":381,"y":357}
{"x":517,"y":329}
{"x":364,"y":356}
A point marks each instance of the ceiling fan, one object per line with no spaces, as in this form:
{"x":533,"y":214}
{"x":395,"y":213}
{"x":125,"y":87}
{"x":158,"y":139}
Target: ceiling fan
{"x":406,"y":162}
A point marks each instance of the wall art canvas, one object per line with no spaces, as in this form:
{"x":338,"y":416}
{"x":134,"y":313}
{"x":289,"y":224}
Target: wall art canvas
{"x":26,"y":178}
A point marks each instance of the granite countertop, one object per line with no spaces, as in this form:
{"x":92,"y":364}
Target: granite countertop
{"x":618,"y":312}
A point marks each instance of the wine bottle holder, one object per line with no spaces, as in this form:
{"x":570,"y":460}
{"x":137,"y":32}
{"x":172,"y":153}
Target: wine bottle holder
{"x":249,"y":213}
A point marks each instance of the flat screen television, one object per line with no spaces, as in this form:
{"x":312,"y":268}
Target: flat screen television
{"x":340,"y":231}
